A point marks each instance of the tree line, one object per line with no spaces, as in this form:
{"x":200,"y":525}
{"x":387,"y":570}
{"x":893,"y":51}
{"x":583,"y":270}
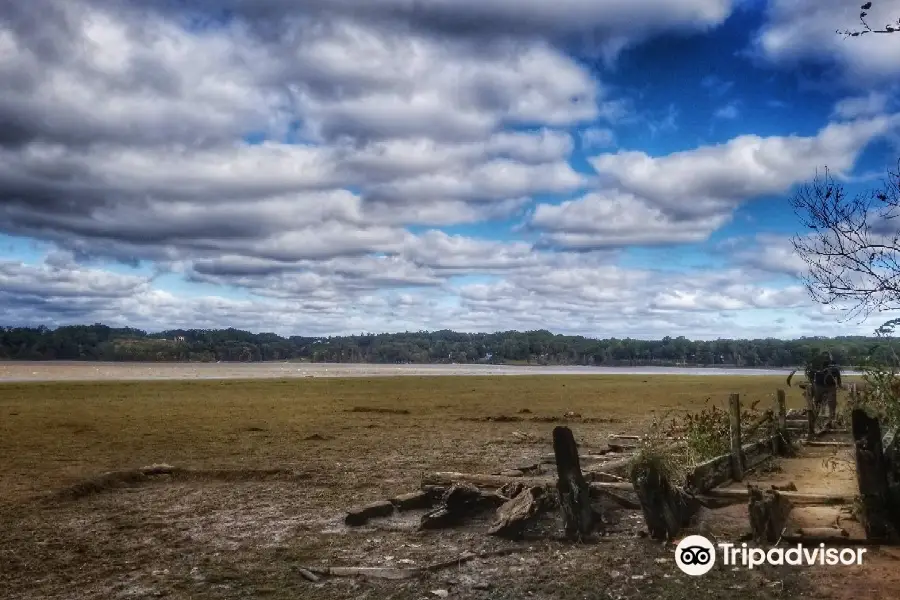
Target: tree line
{"x":102,"y":343}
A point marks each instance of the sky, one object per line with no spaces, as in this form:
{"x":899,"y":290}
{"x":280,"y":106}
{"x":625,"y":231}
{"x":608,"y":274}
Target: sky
{"x":325,"y":167}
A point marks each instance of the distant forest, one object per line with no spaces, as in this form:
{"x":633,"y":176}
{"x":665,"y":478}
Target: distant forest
{"x":101,"y":343}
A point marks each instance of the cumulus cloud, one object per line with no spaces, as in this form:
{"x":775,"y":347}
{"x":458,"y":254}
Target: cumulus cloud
{"x":683,"y":197}
{"x":306,"y":153}
{"x":710,"y":178}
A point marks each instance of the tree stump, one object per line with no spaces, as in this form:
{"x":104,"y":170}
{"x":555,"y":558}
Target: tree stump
{"x":515,"y":515}
{"x":871,"y":477}
{"x":768,"y":512}
{"x":666,"y":508}
{"x":579,"y":517}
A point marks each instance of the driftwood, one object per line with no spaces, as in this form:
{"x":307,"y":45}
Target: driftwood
{"x":515,"y":515}
{"x":413,"y":501}
{"x":877,"y":516}
{"x":768,"y":512}
{"x":460,"y":501}
{"x":579,"y":518}
{"x":361,"y":515}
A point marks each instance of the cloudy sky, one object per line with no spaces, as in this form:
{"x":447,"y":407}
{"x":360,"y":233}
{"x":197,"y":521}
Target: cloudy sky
{"x":616,"y":168}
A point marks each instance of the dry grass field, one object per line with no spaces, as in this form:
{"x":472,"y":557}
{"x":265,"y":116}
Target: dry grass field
{"x":272,"y":465}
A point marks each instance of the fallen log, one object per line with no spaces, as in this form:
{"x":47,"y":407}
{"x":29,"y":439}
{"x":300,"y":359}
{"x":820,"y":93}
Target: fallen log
{"x":579,"y":517}
{"x":768,"y":512}
{"x":413,"y":501}
{"x":459,"y":502}
{"x":360,"y":516}
{"x":515,"y":515}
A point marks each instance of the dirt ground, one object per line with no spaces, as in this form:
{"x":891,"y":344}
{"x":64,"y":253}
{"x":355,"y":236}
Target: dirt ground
{"x":271,"y":467}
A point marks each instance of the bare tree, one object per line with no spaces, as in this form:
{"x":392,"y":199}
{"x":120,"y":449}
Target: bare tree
{"x":851,"y":246}
{"x":889,"y":28}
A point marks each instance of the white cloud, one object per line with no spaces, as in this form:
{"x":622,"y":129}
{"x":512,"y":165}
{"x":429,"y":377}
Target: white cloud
{"x":718,"y":178}
{"x":612,"y":218}
{"x":798,"y":31}
{"x":872,"y":104}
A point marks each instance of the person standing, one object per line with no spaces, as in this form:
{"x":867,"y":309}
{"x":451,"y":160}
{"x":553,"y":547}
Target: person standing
{"x":826,"y":380}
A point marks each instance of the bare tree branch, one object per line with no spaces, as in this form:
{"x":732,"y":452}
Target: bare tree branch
{"x":851,"y":246}
{"x":889,"y":28}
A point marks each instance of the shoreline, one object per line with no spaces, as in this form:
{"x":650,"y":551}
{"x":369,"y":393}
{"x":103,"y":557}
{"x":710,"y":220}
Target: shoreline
{"x":46,"y":371}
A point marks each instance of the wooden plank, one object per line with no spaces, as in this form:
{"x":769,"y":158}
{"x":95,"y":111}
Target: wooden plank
{"x":734,"y":417}
{"x":795,"y":497}
{"x":709,"y":474}
{"x":826,"y":444}
{"x":579,"y":517}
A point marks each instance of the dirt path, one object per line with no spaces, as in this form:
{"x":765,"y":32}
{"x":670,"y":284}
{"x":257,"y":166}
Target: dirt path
{"x":824,"y":470}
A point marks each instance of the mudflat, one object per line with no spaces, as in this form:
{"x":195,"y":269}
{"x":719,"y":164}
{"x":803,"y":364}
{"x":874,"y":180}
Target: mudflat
{"x":12,"y":371}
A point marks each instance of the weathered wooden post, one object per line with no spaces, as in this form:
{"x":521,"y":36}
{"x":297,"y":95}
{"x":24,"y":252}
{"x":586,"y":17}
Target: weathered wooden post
{"x":666,"y":508}
{"x":578,"y":515}
{"x":871,"y":476}
{"x":734,"y":415}
{"x":768,"y":512}
{"x":784,"y":440}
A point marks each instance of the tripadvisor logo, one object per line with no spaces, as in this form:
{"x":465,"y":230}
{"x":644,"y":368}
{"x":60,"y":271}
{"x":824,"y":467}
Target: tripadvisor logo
{"x":696,"y":555}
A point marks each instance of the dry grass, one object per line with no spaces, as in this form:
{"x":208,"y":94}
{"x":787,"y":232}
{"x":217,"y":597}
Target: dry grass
{"x":345,"y":441}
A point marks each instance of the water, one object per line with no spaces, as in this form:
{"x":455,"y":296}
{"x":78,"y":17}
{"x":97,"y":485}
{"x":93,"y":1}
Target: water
{"x":87,"y":371}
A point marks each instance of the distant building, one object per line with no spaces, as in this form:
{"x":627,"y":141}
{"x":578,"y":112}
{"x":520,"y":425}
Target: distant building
{"x":179,"y":338}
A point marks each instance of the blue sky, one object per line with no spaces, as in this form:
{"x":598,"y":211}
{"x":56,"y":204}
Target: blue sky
{"x":607,"y":169}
